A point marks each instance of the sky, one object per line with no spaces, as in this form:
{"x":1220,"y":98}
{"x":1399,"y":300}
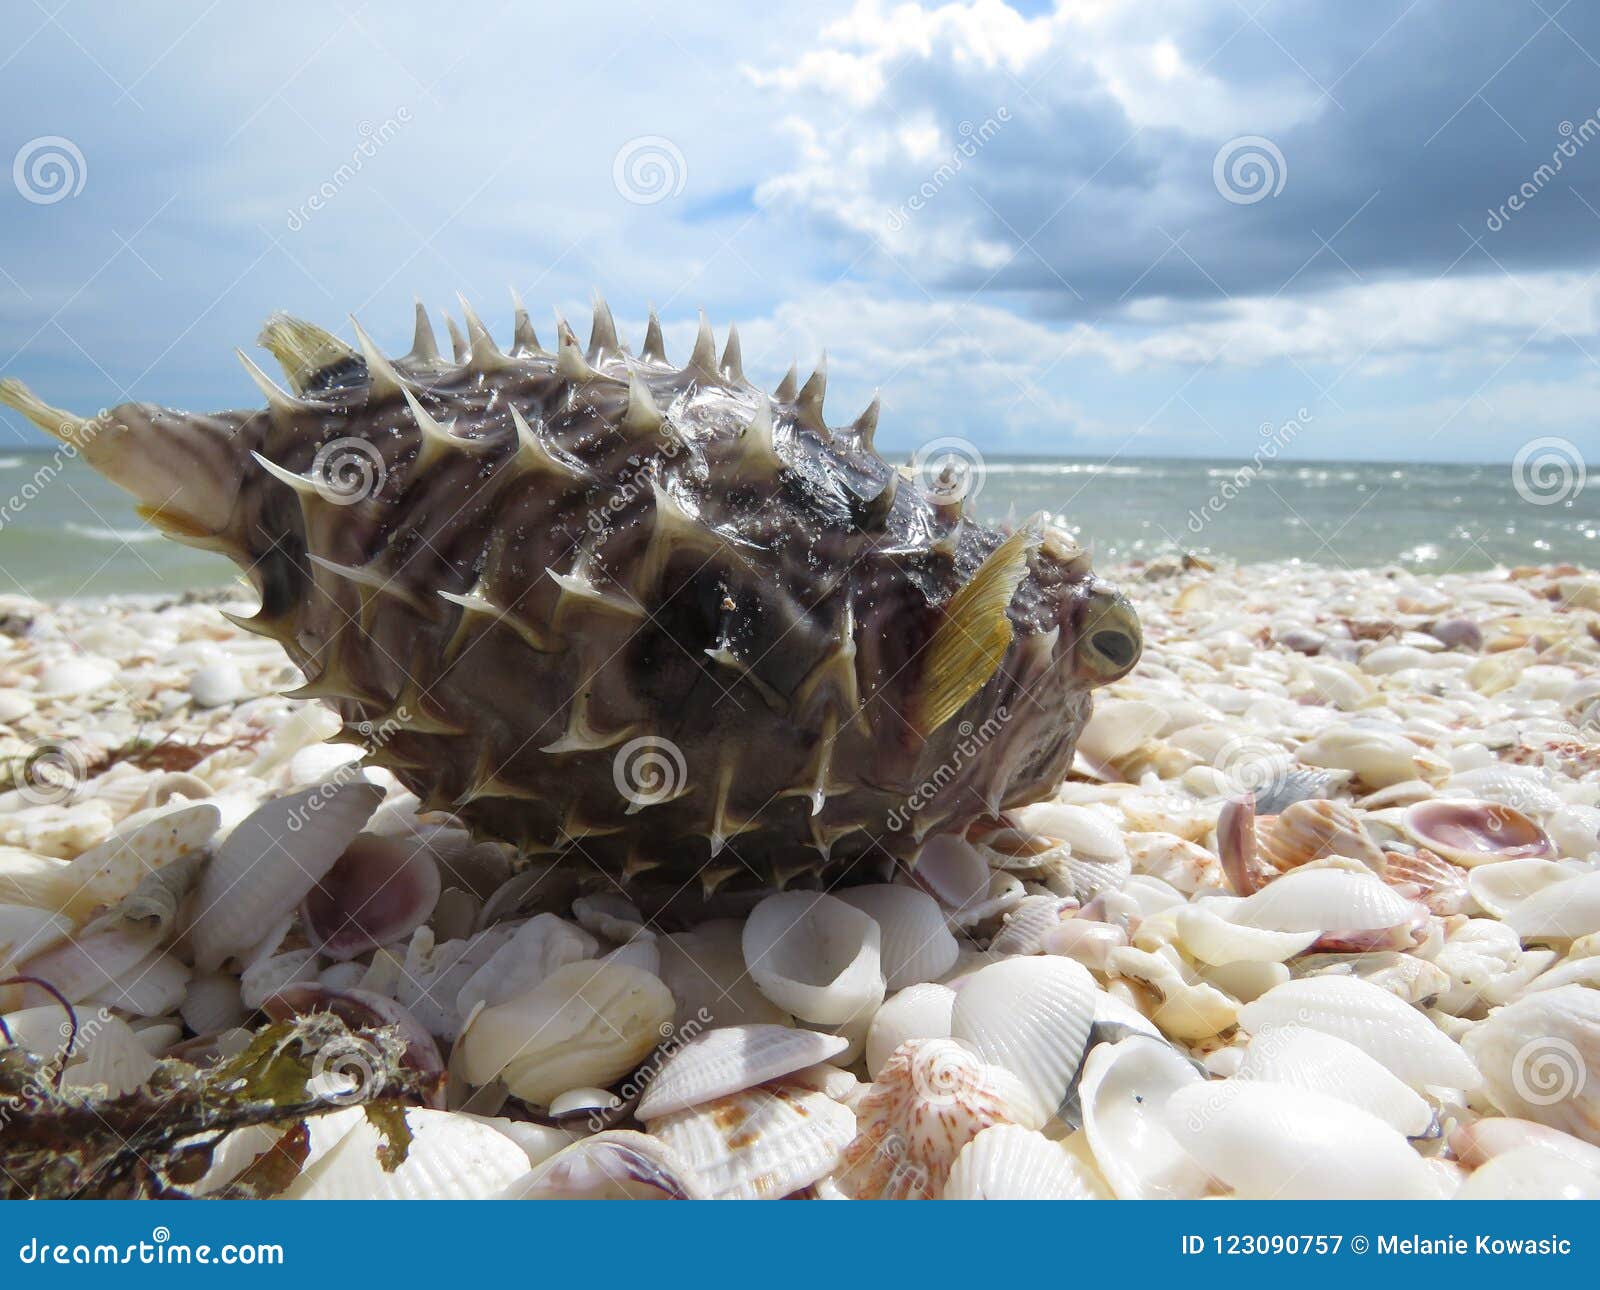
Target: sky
{"x":1107,"y":228}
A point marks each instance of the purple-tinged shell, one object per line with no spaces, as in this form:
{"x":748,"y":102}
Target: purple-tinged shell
{"x":379,"y":890}
{"x":1476,"y":832}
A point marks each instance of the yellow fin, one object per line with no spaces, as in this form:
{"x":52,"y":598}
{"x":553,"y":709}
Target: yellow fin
{"x":973,"y":637}
{"x":302,"y":348}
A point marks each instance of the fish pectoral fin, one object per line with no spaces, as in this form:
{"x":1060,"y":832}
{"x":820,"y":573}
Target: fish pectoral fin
{"x":972,"y":637}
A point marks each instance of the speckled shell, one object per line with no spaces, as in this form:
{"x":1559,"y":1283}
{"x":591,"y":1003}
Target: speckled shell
{"x":516,"y":574}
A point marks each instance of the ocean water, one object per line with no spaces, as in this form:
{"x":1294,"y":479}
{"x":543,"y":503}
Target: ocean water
{"x":71,"y":534}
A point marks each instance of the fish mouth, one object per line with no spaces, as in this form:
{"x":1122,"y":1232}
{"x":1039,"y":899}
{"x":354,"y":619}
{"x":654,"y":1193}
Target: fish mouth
{"x":1109,"y":639}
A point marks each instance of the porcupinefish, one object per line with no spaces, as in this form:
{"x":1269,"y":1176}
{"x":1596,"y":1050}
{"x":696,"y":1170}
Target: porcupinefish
{"x":642,"y":615}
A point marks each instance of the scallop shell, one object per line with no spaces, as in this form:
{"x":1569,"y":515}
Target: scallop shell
{"x":584,"y":1024}
{"x":1394,"y":1033}
{"x":729,"y":1060}
{"x":614,"y":1165}
{"x":761,"y":1143}
{"x":378,"y":891}
{"x":1278,"y":1142}
{"x":932,"y":1097}
{"x":815,"y":956}
{"x":1313,"y":829}
{"x":1031,"y":1016}
{"x":915,"y":945}
{"x":1123,"y":1093}
{"x":1538,"y":1056}
{"x":1026,"y":926}
{"x":1007,"y":1162}
{"x":265,"y":867}
{"x":1439,"y":885}
{"x":1319,"y":1062}
{"x":917,"y":1012}
{"x":451,"y":1157}
{"x":1476,"y":832}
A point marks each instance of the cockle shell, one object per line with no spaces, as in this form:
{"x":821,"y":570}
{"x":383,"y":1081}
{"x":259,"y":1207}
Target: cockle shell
{"x":1008,"y":1162}
{"x":815,"y":956}
{"x":932,"y":1097}
{"x":1437,"y":883}
{"x":915,"y":945}
{"x":1475,"y":832}
{"x":1562,"y":911}
{"x":735,"y":569}
{"x":1313,"y":829}
{"x":1123,"y":1095}
{"x":1539,"y":1056}
{"x":761,"y":1143}
{"x":729,"y":1060}
{"x":584,"y":1024}
{"x":1357,"y":909}
{"x":1320,"y":1062}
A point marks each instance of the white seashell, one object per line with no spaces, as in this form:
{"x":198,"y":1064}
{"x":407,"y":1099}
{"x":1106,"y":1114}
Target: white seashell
{"x":917,"y":1012}
{"x":93,"y":959}
{"x":532,"y":951}
{"x":1003,"y":894}
{"x":1379,"y":757}
{"x":1562,"y":911}
{"x":1538,"y":1056}
{"x":1007,"y":1162}
{"x":212,"y":1003}
{"x":73,"y":676}
{"x":815,"y":956}
{"x":1482,"y":1140}
{"x":953,"y":870}
{"x":1188,"y":866}
{"x":1501,"y":887}
{"x":14,"y":705}
{"x":584,"y":1024}
{"x":1533,"y":1172}
{"x":729,"y":1060}
{"x":1329,"y":901}
{"x":152,"y":987}
{"x":25,"y":931}
{"x":609,"y":915}
{"x":1087,"y":940}
{"x":1314,"y":829}
{"x":759,"y":1144}
{"x":1032,"y":1017}
{"x":1212,"y":938}
{"x":1278,"y":1142}
{"x":584,"y":1101}
{"x":915,"y":945}
{"x":142,"y":844}
{"x":1319,"y":1062}
{"x":1118,"y":726}
{"x":1091,"y":834}
{"x":320,"y":762}
{"x":932,"y":1097}
{"x":705,"y":971}
{"x":452,"y":1157}
{"x":641,"y":952}
{"x":1394,"y":1033}
{"x":272,"y":972}
{"x":42,"y":882}
{"x":1123,"y":1094}
{"x":265,"y":867}
{"x":614,"y":1165}
{"x":218,"y":684}
{"x":1191,"y":1012}
{"x":110,"y":1058}
{"x":1026,"y":926}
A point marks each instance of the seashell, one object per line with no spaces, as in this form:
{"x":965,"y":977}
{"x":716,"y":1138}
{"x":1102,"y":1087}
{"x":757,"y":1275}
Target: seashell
{"x":917,"y":1012}
{"x":1118,"y":727}
{"x":41,"y":882}
{"x":1188,"y":866}
{"x":1561,"y":911}
{"x":217,"y":685}
{"x":265,"y":867}
{"x":212,"y":1003}
{"x":1500,"y":887}
{"x":99,"y":956}
{"x":953,"y":870}
{"x":141,"y":845}
{"x":1192,"y":1013}
{"x":705,"y":971}
{"x":606,"y":914}
{"x":1086,"y":940}
{"x":63,"y":832}
{"x":915,"y":945}
{"x":761,"y":1143}
{"x":1439,"y":885}
{"x":26,"y":931}
{"x":1218,"y":940}
{"x":1537,"y":1056}
{"x":1007,"y":1162}
{"x":1311,"y":830}
{"x":641,"y":952}
{"x":1476,"y":832}
{"x":451,"y":1157}
{"x":584,"y":1024}
{"x":1279,"y":1142}
{"x":378,"y":891}
{"x":729,"y":1060}
{"x":1236,"y":846}
{"x":1457,"y":633}
{"x":1027,"y":925}
{"x":1310,"y":1059}
{"x":613,"y":1165}
{"x":109,"y":1060}
{"x":161,"y":789}
{"x":1090,"y":834}
{"x":589,"y":1102}
{"x":1533,"y":1172}
{"x":1394,"y":1033}
{"x":1123,"y":1093}
{"x":74,"y":676}
{"x":815,"y":956}
{"x":1521,"y":787}
{"x":1376,"y":756}
{"x":932,"y":1097}
{"x":1005,"y":892}
{"x":1482,"y":1140}
{"x":1031,"y":1016}
{"x":1575,"y":830}
{"x":1295,"y":786}
{"x":529,"y":953}
{"x":1356,"y":908}
{"x":152,"y":987}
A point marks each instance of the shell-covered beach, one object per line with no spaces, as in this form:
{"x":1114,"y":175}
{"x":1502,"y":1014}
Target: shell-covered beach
{"x":1314,"y":915}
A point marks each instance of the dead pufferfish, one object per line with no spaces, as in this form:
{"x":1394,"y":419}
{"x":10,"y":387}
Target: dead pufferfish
{"x":593,"y":603}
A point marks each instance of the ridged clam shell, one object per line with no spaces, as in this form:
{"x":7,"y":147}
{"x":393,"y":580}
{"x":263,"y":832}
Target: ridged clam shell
{"x":212,"y":1003}
{"x":815,"y":956}
{"x":112,"y":1061}
{"x":932,"y":1097}
{"x":584,"y":1024}
{"x":915,"y":945}
{"x":1476,"y":832}
{"x":1434,"y":881}
{"x":1031,"y":1016}
{"x":761,"y":1143}
{"x":1278,"y":1142}
{"x":1539,"y":1056}
{"x":265,"y":867}
{"x":1534,"y":1172}
{"x":1123,"y":1094}
{"x":452,"y":1157}
{"x":1026,"y":926}
{"x":729,"y":1060}
{"x":1089,"y":833}
{"x":614,"y":1165}
{"x":378,"y":891}
{"x":1311,"y":830}
{"x":1326,"y":900}
{"x":1008,"y":1162}
{"x":1394,"y":1033}
{"x":1218,"y":939}
{"x":917,"y":1012}
{"x":1319,"y":1062}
